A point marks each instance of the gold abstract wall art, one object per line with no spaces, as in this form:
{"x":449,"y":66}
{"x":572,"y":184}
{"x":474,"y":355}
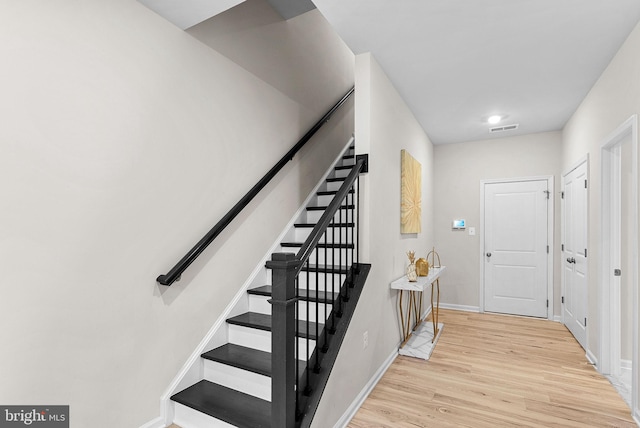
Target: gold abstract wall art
{"x":411,"y":194}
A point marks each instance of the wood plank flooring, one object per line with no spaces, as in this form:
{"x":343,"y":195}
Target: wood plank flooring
{"x":495,"y":371}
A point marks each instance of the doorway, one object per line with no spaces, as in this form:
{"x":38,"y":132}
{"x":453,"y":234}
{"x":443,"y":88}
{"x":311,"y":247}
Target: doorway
{"x":574,"y":250}
{"x":516,"y":246}
{"x":619,"y":262}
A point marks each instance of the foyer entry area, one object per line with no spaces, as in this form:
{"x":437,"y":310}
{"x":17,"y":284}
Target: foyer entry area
{"x":495,"y":370}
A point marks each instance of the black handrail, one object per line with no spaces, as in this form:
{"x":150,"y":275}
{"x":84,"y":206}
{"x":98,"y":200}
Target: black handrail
{"x":175,"y":272}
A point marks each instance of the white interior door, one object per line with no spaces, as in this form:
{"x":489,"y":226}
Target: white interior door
{"x":515,"y":247}
{"x":574,"y":255}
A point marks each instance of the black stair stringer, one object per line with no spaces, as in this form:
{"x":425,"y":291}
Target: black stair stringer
{"x":318,"y":381}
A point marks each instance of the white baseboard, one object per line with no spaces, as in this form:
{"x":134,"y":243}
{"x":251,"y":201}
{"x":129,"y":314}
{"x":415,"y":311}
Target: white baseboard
{"x":625,"y":364}
{"x":426,"y":312}
{"x":464,"y":308}
{"x":591,"y":358}
{"x":557,"y":318}
{"x":355,"y":405}
{"x":156,"y":423}
{"x":636,"y":419}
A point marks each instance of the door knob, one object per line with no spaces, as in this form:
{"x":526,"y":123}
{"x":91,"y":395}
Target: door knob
{"x":488,"y":254}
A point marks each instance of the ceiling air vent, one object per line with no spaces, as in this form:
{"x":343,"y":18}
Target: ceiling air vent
{"x":503,"y":128}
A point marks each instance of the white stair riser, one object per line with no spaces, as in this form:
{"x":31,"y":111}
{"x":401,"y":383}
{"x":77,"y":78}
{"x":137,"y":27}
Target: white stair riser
{"x":347,"y":216}
{"x":261,"y":340}
{"x":333,"y":234}
{"x":333,"y":185}
{"x":349,"y":161}
{"x":324,"y":200}
{"x":341,"y":172}
{"x":241,"y":380}
{"x":333,"y":281}
{"x":260,"y":304}
{"x":336,"y":257}
{"x":323,"y":310}
{"x":250,"y":337}
{"x":186,"y":417}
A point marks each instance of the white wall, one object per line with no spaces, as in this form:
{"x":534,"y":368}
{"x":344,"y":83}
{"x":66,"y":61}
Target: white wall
{"x":123,"y":140}
{"x":288,"y":55}
{"x":384,"y":126}
{"x":612,"y":100}
{"x":459,"y":169}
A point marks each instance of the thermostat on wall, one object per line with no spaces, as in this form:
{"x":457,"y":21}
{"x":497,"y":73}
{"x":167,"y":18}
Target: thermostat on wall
{"x":458,"y":224}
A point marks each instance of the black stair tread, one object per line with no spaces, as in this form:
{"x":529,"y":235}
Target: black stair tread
{"x":263,"y":322}
{"x":319,"y":245}
{"x":335,"y":179}
{"x":331,"y":192}
{"x":234,"y":407}
{"x":343,"y":167}
{"x":324,"y":207}
{"x":304,"y":294}
{"x":324,"y":268}
{"x":312,"y":225}
{"x":348,"y":156}
{"x":250,"y":359}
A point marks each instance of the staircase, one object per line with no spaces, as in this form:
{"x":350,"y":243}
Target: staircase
{"x":236,"y":386}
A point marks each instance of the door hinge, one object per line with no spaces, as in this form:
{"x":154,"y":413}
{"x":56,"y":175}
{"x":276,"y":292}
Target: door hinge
{"x":562,"y":247}
{"x":585,"y":183}
{"x":585,"y":322}
{"x":563,"y":300}
{"x":562,"y":195}
{"x":585,"y":253}
{"x":547,"y":249}
{"x":547,"y":303}
{"x":547,"y":193}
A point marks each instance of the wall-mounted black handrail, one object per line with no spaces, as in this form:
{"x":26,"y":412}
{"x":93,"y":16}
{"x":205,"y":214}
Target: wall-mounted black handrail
{"x":175,"y":272}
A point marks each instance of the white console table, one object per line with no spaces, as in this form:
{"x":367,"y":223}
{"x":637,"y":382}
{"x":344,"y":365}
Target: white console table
{"x":413,"y":308}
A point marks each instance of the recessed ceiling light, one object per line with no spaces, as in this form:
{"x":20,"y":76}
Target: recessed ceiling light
{"x":494,"y":119}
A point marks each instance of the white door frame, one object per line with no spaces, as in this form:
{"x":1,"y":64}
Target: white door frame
{"x":609,"y":286}
{"x":550,"y":228}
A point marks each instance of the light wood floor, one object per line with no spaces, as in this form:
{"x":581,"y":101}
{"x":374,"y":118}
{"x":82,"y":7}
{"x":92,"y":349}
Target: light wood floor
{"x":495,"y":371}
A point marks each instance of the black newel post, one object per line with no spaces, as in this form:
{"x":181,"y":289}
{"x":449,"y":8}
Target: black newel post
{"x":283,"y":331}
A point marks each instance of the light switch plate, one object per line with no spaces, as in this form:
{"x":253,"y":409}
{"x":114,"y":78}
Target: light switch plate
{"x":472,"y":231}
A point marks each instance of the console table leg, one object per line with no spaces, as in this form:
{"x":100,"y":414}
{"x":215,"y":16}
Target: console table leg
{"x":404,"y":329}
{"x":435,"y":309}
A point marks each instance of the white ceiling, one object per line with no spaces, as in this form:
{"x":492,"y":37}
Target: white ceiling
{"x":456,"y":62}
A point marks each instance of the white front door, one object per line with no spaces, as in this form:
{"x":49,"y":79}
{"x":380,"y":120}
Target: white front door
{"x":515,"y":247}
{"x":574,"y":255}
